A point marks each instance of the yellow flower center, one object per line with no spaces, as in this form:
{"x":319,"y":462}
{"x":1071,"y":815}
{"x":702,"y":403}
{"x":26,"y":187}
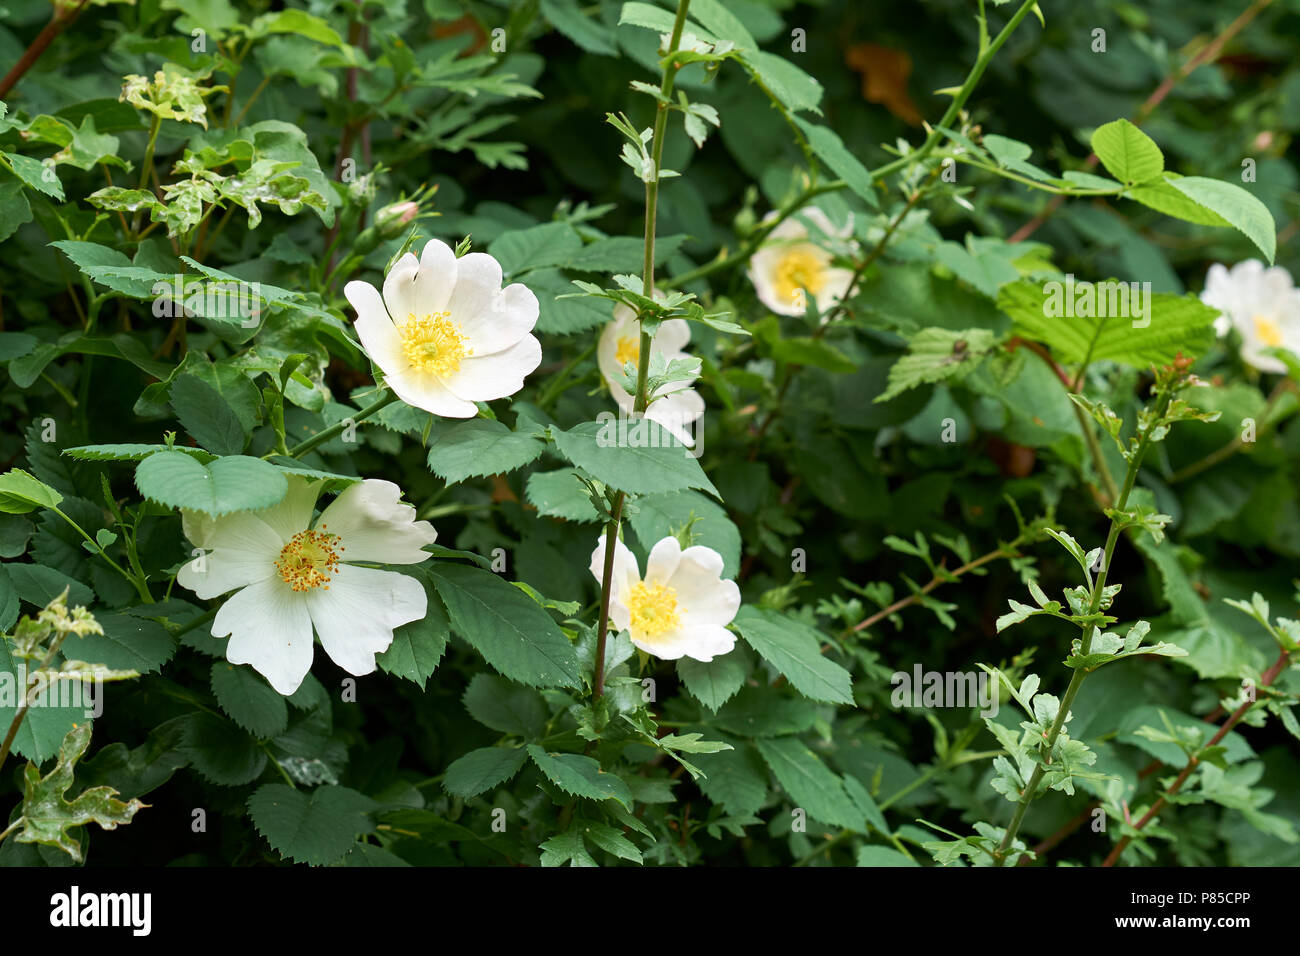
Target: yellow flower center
{"x":653,"y":610}
{"x":629,"y":349}
{"x":434,"y":343}
{"x":800,"y":268}
{"x":1269,"y":332}
{"x":309,"y":560}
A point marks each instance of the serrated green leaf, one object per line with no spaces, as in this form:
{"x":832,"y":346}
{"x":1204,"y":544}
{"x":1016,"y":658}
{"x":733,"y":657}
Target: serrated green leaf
{"x":580,"y":776}
{"x":512,"y":632}
{"x":480,"y":447}
{"x":481,"y":770}
{"x":226,"y":485}
{"x":317,"y":827}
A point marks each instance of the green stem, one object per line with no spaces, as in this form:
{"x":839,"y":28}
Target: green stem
{"x":325,"y":434}
{"x":1076,"y":680}
{"x":139,"y":582}
{"x":643,"y":363}
{"x":963,"y":94}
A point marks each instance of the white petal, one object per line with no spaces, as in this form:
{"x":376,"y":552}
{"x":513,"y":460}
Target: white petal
{"x":483,"y":378}
{"x":762,"y":269}
{"x":623,"y":576}
{"x":374,"y":524}
{"x":356,"y":616}
{"x":701,"y":643}
{"x":399,"y":288}
{"x":662,"y":562}
{"x":242,"y":549}
{"x":378,"y":334}
{"x":510,"y":315}
{"x":478,"y":282}
{"x":672,"y":336}
{"x":676,"y":412}
{"x":427,"y":391}
{"x":270,"y":630}
{"x":293,"y":513}
{"x":436,"y":279}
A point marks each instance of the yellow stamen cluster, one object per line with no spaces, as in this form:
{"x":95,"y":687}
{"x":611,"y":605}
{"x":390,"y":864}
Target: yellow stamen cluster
{"x":1267,"y":329}
{"x":434,"y":343}
{"x":653,"y":610}
{"x":799,"y":268}
{"x":310,"y":559}
{"x":629,"y":349}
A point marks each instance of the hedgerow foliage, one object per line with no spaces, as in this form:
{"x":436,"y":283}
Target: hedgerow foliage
{"x":742,"y":433}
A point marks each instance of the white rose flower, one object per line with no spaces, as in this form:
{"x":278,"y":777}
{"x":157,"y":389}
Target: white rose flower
{"x":790,"y":264}
{"x":1261,"y":304}
{"x":681,"y":608}
{"x":289,"y":575}
{"x":620,"y":341}
{"x":445,"y":333}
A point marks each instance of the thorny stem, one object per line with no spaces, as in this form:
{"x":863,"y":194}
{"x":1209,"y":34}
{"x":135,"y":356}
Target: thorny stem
{"x":1193,"y":760}
{"x":60,"y":20}
{"x":1076,"y":680}
{"x":1006,"y":551}
{"x":643,"y":362}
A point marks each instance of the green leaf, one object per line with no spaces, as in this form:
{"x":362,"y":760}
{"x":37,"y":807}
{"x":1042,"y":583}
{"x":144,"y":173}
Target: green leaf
{"x":36,"y":174}
{"x":482,"y":769}
{"x":418,"y":646}
{"x":512,"y":632}
{"x":658,"y":516}
{"x":883,"y":856}
{"x":249,"y":700}
{"x":565,"y":848}
{"x":809,"y":783}
{"x":15,"y":210}
{"x":506,"y":706}
{"x":715,"y":682}
{"x":736,"y":780}
{"x":561,"y":494}
{"x":830,"y":149}
{"x":129,"y":451}
{"x":236,"y":483}
{"x":316,"y":828}
{"x":522,"y":250}
{"x":936,"y":355}
{"x":21,"y":492}
{"x":298,"y":23}
{"x":587,"y":32}
{"x":1234,"y":205}
{"x":480,"y":447}
{"x":786,"y":83}
{"x":794,"y":649}
{"x":205,"y":415}
{"x":1128,"y":154}
{"x":1173,"y":324}
{"x":657,"y":462}
{"x":580,"y":776}
{"x":221,"y":751}
{"x":44,"y":727}
{"x":128,"y":643}
{"x":47,"y":815}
